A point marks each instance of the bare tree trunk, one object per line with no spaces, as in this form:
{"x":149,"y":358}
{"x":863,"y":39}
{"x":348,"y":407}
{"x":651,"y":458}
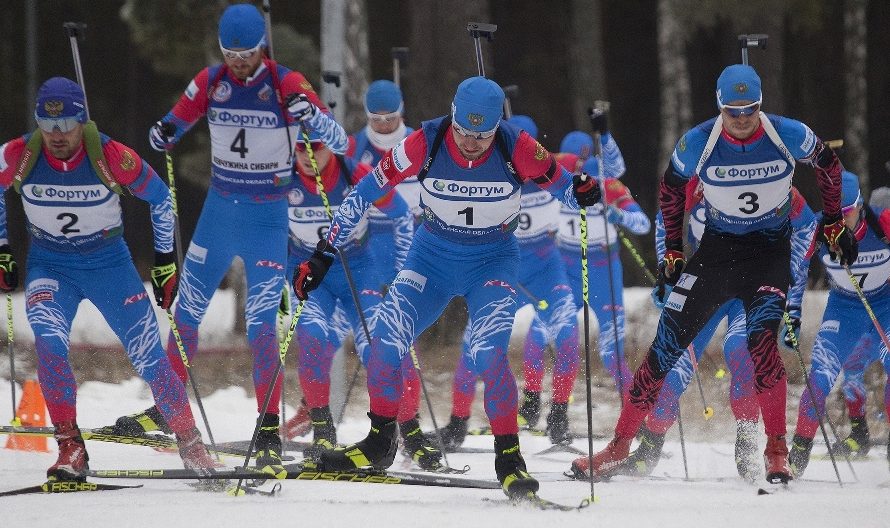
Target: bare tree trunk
{"x":855,"y":88}
{"x":587,"y":68}
{"x":356,"y":65}
{"x":673,"y":74}
{"x":238,"y":283}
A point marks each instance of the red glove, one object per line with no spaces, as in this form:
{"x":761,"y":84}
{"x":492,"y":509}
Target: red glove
{"x":165,"y":279}
{"x":310,"y":273}
{"x":841,"y":242}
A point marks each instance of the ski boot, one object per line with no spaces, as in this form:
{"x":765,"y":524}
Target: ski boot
{"x":510,"y":467}
{"x":73,"y":458}
{"x":143,"y":422}
{"x":300,"y":424}
{"x":530,"y":410}
{"x":746,"y":450}
{"x":558,"y":424}
{"x":606,"y":463}
{"x":324,"y":434}
{"x":642,"y":461}
{"x":454,"y":432}
{"x":775,"y":458}
{"x":193,"y":452}
{"x":268,"y":445}
{"x":418,"y":447}
{"x":377,"y":450}
{"x":799,"y":456}
{"x":858,"y":443}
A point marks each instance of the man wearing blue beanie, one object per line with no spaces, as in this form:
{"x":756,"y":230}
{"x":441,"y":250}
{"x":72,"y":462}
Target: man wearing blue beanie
{"x":846,"y":321}
{"x":471,"y":167}
{"x":70,"y":177}
{"x":255,"y":109}
{"x":745,"y":161}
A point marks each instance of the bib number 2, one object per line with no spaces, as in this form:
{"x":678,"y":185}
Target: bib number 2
{"x":68,"y":228}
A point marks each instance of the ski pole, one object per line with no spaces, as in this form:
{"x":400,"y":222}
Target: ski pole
{"x":174,"y":329}
{"x":682,"y":439}
{"x":707,"y":410}
{"x":819,"y":416}
{"x":426,"y":395}
{"x":602,"y":107}
{"x":867,"y":305}
{"x":636,"y":255}
{"x":585,"y":295}
{"x":10,"y":338}
{"x":540,"y":304}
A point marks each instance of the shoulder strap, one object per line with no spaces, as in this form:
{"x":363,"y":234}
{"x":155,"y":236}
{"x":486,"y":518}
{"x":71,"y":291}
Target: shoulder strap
{"x":874,"y":224}
{"x":93,"y":144}
{"x":501,"y":142}
{"x":211,"y":87}
{"x":709,"y":145}
{"x":437,"y":143}
{"x":774,"y":137}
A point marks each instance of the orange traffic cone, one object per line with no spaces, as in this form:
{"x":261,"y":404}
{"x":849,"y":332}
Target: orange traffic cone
{"x":32,"y":412}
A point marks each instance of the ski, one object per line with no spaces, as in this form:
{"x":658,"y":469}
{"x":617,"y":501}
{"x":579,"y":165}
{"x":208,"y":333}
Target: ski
{"x":66,"y":487}
{"x":299,"y":472}
{"x":532,"y":499}
{"x":485,"y":431}
{"x":773,"y":490}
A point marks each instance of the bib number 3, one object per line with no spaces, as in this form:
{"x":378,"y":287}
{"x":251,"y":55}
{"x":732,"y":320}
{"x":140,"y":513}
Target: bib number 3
{"x":751,"y":205}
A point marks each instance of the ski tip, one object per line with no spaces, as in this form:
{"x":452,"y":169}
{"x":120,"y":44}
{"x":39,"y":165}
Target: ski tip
{"x":761,"y":491}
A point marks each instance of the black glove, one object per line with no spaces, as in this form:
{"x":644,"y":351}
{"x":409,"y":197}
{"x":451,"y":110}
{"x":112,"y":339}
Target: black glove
{"x":599,"y":121}
{"x":840,"y":241}
{"x":161,"y":136}
{"x":669,"y":271}
{"x":299,"y":106}
{"x":165,"y":279}
{"x":794,"y":315}
{"x":310,"y":273}
{"x":9,"y":270}
{"x":587,"y":190}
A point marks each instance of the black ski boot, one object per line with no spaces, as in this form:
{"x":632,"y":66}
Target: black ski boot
{"x":510,"y":467}
{"x":143,"y":422}
{"x":418,"y":446}
{"x":858,"y":443}
{"x":799,"y":456}
{"x":454,"y":432}
{"x":645,"y":457}
{"x":558,"y":424}
{"x":324,"y":433}
{"x":377,"y":450}
{"x":530,"y":410}
{"x":747,"y":459}
{"x":268,"y":443}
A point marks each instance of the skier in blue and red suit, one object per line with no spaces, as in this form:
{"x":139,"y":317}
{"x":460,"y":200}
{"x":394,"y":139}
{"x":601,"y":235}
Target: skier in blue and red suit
{"x":742,"y":396}
{"x":745,"y":160}
{"x":254,"y":108}
{"x":845,"y":320}
{"x":69,"y":176}
{"x":471,"y":167}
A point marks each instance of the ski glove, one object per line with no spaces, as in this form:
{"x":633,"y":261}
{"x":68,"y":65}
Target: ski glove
{"x":586,"y":189}
{"x":841,"y":242}
{"x":599,"y":121}
{"x":299,"y":107}
{"x":669,"y":272}
{"x":162,"y":136}
{"x":9,"y":270}
{"x":794,"y":315}
{"x":310,"y":273}
{"x":165,"y":279}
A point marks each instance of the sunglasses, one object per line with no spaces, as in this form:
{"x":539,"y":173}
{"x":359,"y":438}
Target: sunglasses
{"x":391,"y":117}
{"x":744,"y":110}
{"x":470,"y":134}
{"x":316,"y":146}
{"x":243,"y":55}
{"x":64,"y":124}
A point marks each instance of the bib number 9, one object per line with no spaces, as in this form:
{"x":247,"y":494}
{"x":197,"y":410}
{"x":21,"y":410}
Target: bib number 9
{"x":525,"y":221}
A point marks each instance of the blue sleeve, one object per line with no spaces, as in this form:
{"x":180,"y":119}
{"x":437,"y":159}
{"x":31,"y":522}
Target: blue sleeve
{"x":402,"y":226}
{"x":613,"y":160}
{"x":150,"y":188}
{"x":635,"y":220}
{"x":803,"y":230}
{"x":659,"y":236}
{"x":353,"y":208}
{"x":797,"y":137}
{"x":689,"y":149}
{"x":330,"y":131}
{"x":4,"y":230}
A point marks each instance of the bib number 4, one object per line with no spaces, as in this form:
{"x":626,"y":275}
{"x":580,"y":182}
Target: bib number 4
{"x":239,"y":144}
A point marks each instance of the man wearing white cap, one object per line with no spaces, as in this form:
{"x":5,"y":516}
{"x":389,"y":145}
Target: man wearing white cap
{"x":745,"y":160}
{"x":471,"y":167}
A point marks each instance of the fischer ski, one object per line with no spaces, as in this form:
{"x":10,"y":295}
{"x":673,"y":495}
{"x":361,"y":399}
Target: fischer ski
{"x":534,"y":500}
{"x":485,"y":431}
{"x":300,"y":472}
{"x":66,"y":487}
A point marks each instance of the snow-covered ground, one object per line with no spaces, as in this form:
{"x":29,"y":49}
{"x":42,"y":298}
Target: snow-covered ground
{"x":813,"y":502}
{"x":623,"y":502}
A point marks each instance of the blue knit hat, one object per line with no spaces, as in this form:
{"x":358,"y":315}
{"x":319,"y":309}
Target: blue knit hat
{"x":578,"y":143}
{"x":478,"y":104}
{"x":850,"y":194}
{"x":60,"y":97}
{"x":241,"y":26}
{"x":383,"y":97}
{"x":738,"y":82}
{"x":525,"y":123}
